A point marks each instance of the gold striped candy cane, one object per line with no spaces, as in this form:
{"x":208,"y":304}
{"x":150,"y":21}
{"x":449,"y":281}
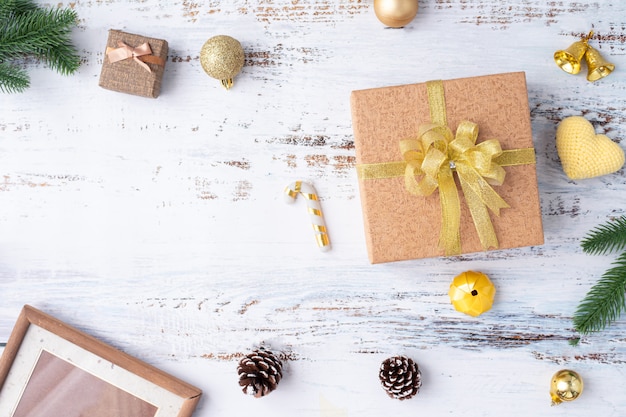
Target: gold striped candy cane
{"x":313,"y":207}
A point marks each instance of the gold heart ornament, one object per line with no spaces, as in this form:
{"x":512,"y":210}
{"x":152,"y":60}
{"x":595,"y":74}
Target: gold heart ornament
{"x":583,"y":153}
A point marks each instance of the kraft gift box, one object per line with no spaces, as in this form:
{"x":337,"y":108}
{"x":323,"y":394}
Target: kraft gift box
{"x":400,"y":225}
{"x":129,"y":75}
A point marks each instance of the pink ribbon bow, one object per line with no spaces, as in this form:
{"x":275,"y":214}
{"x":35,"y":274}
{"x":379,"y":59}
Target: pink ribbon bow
{"x":125,"y":52}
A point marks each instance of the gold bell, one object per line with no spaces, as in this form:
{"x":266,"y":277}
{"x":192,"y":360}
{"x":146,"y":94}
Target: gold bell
{"x":569,"y":59}
{"x":598,"y":67}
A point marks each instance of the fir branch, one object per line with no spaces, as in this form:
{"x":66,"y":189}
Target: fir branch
{"x":9,"y":8}
{"x":606,"y":300}
{"x":13,"y":79}
{"x":28,"y":30}
{"x":606,"y":238}
{"x":36,"y":32}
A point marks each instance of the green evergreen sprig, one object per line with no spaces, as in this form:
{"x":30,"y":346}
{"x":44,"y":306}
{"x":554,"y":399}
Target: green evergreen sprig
{"x":13,"y":78}
{"x":8,"y":7}
{"x":28,"y":30}
{"x":606,"y":238}
{"x":606,"y":300}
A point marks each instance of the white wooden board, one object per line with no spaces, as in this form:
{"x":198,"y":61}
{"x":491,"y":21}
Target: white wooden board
{"x":159,"y":225}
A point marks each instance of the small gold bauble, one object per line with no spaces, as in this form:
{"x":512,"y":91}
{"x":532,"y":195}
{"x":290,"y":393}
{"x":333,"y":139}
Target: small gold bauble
{"x":566,"y":385}
{"x":222,"y":58}
{"x":395,"y":13}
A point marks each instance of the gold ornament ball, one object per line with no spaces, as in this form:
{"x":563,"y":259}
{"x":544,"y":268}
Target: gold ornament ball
{"x":395,"y":13}
{"x":566,"y":385}
{"x":222,"y":58}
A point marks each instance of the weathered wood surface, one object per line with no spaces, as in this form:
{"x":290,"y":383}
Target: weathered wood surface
{"x":159,"y":225}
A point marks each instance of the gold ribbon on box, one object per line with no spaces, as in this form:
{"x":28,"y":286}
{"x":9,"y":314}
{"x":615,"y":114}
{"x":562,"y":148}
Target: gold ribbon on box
{"x":140,"y":55}
{"x":431,"y":158}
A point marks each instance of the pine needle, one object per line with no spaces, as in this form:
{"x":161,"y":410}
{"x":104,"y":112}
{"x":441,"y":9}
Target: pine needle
{"x":13,"y":79}
{"x":605,"y":301}
{"x":15,"y":7}
{"x":606,"y":238}
{"x":574,"y":342}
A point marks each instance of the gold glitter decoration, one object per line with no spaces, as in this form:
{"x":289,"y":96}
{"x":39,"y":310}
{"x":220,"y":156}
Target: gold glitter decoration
{"x":566,"y":385}
{"x":222,"y":58}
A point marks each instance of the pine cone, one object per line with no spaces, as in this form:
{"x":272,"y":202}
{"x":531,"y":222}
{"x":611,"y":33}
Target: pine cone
{"x":259,"y":372}
{"x":400,"y":377}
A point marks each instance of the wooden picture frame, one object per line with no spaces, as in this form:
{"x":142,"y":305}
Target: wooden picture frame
{"x":50,"y":368}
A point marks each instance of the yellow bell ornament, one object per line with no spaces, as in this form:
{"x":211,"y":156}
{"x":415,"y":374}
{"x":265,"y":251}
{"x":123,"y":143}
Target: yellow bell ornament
{"x":472,"y":293}
{"x":597,"y":66}
{"x":570,"y":59}
{"x":566,"y":385}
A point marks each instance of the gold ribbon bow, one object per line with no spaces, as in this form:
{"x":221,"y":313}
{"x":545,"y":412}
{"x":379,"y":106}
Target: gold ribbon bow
{"x":435,"y":154}
{"x":140,"y":54}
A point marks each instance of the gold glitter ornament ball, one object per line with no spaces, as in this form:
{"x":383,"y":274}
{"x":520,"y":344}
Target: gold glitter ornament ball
{"x":566,"y":385}
{"x":395,"y":13}
{"x":222,"y":58}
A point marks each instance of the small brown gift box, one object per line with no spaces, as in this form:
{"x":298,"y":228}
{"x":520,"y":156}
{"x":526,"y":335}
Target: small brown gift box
{"x":128,"y":75}
{"x":400,"y":225}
